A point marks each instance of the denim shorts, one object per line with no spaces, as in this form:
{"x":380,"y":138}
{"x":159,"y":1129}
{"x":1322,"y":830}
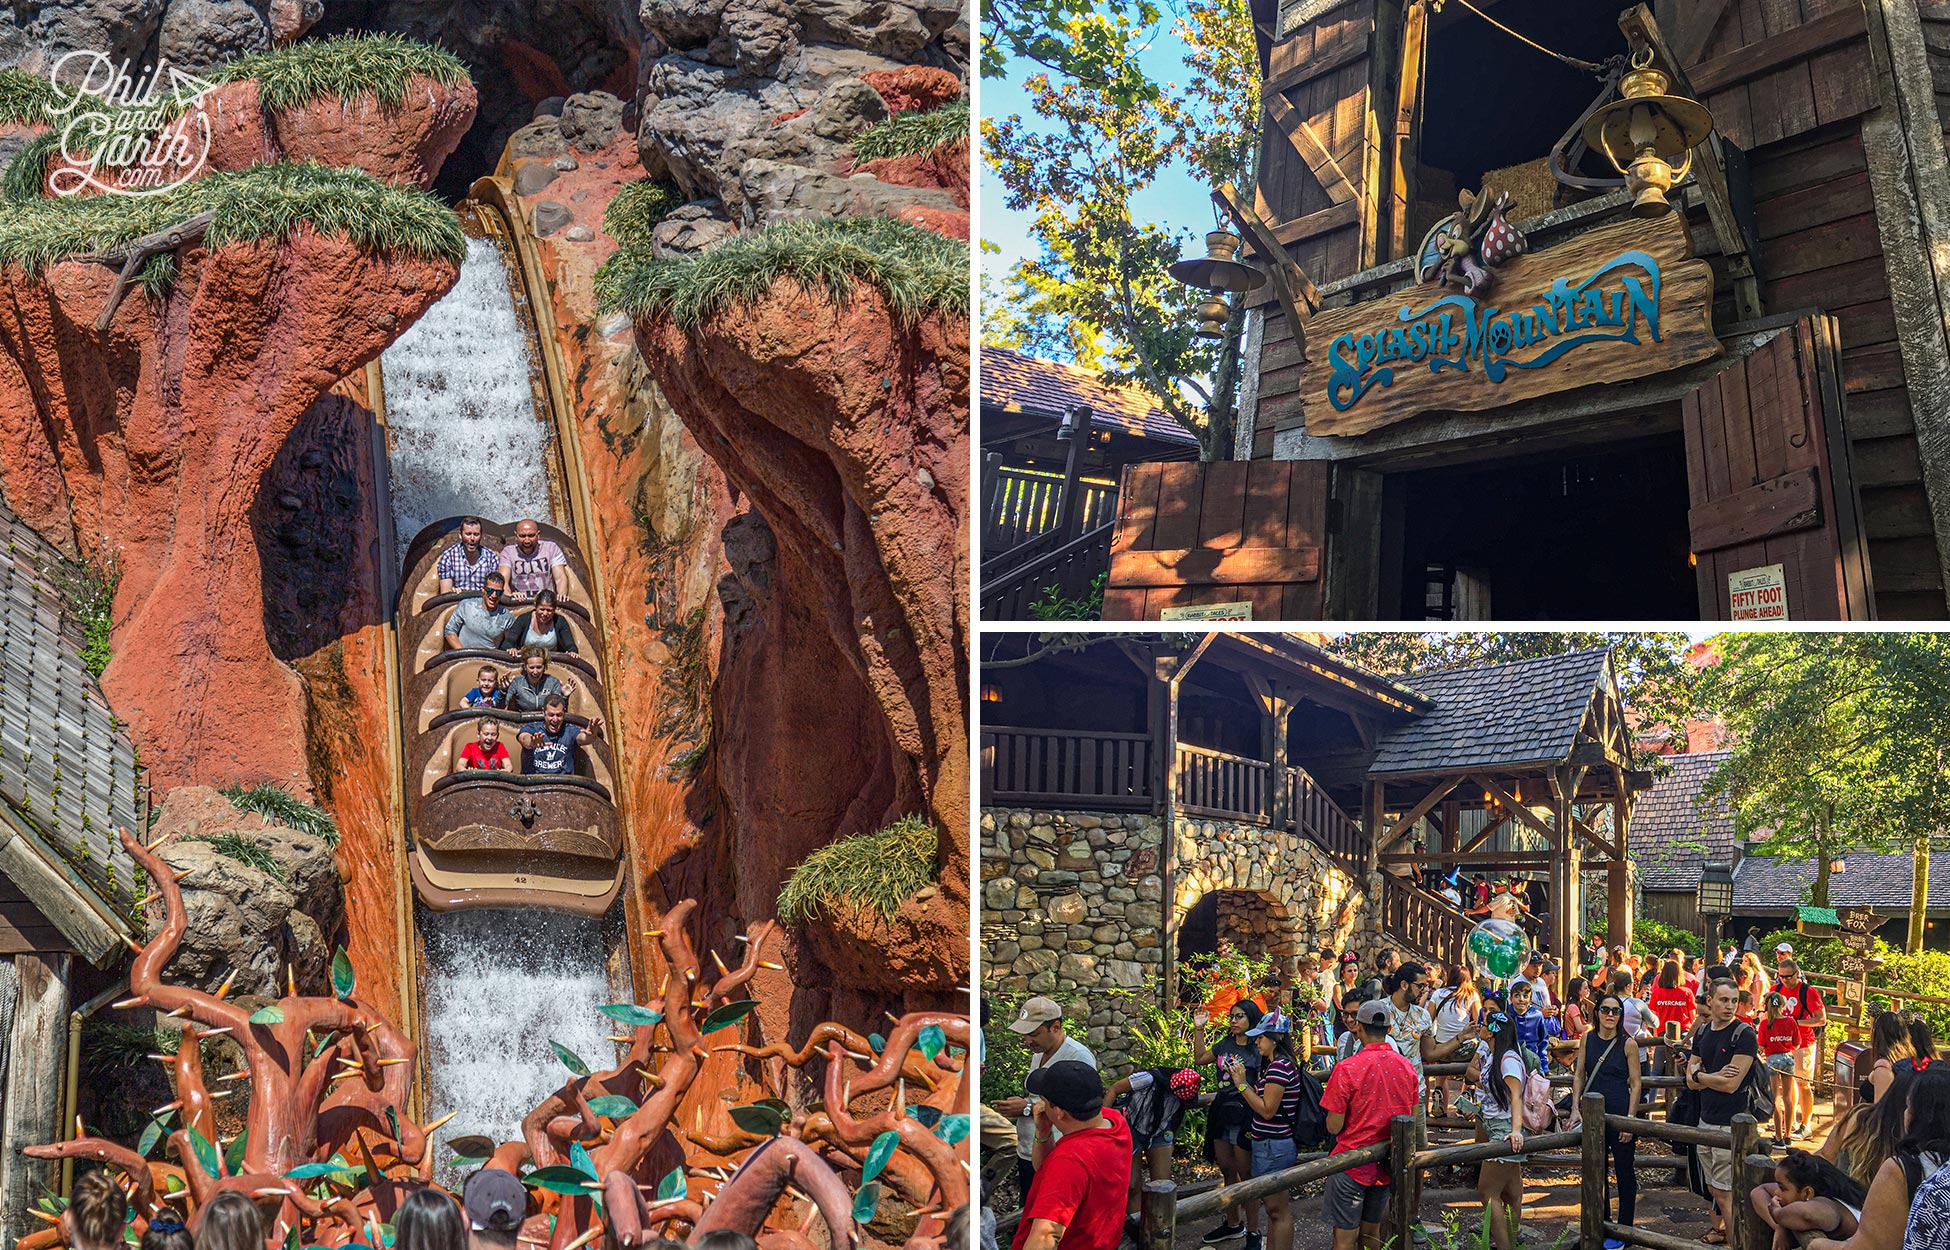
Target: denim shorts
{"x":1350,"y":1204}
{"x":1270,"y":1154}
{"x":1499,"y":1128}
{"x":1163,"y":1137}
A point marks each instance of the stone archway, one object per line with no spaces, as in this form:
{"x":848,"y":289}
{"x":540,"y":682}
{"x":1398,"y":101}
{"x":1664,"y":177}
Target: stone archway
{"x":1277,"y":891}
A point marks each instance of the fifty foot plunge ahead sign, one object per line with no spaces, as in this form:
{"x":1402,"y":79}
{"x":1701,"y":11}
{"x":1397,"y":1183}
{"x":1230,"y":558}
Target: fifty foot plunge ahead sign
{"x":1617,"y":302}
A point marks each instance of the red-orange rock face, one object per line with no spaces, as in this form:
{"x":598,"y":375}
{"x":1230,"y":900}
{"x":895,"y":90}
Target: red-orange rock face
{"x":149,"y":442}
{"x":914,"y":88}
{"x":847,"y":437}
{"x":945,"y":170}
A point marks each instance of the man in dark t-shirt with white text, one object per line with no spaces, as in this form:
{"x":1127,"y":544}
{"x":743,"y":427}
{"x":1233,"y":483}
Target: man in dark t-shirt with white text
{"x":1082,"y":1159}
{"x":548,"y":746}
{"x":1723,"y":1053}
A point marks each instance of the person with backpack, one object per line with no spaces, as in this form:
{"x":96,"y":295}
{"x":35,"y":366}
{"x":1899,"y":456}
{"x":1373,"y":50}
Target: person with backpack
{"x":1535,"y":1030}
{"x":1229,"y":1121}
{"x":1805,"y":1005}
{"x":1364,"y":1094}
{"x":1154,"y":1101}
{"x":1608,"y":1064}
{"x":1275,"y":1099}
{"x":1919,"y":1159}
{"x":1726,"y":1053}
{"x":1500,"y":1182}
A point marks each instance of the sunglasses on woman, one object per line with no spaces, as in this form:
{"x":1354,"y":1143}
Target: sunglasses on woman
{"x":1611,"y":1011}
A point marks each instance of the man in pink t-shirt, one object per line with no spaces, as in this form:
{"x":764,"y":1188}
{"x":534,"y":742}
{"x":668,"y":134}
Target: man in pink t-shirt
{"x":1366,"y":1091}
{"x":530,"y":564}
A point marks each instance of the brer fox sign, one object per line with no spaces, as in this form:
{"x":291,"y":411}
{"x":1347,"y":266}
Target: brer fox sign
{"x":1618,"y":302}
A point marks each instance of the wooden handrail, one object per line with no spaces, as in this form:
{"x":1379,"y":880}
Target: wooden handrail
{"x":1311,"y":1167}
{"x":1043,"y":766}
{"x":1016,"y":579}
{"x":1313,"y":814}
{"x":1219,"y":783}
{"x":1186,"y":748}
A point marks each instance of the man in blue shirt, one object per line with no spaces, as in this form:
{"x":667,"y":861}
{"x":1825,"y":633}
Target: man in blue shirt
{"x":548,"y":746}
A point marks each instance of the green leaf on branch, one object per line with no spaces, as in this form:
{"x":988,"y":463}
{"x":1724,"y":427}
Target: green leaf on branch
{"x":728,"y":1015}
{"x":876,"y":1042}
{"x":867,"y":1202}
{"x":335,"y":1167}
{"x":579,"y":1160}
{"x":630,"y":1014}
{"x":929,"y":1116}
{"x":570,"y":1060}
{"x":472,"y":1144}
{"x":615,"y":1106}
{"x":268,"y":1015}
{"x":559,"y":1179}
{"x":931,"y":1041}
{"x":152,"y":1133}
{"x":342,"y":978}
{"x":233,"y":1158}
{"x":206,"y":1154}
{"x":672,"y":1185}
{"x":953,"y":1129}
{"x":883,"y":1149}
{"x":765,"y":1121}
{"x":392,"y":1118}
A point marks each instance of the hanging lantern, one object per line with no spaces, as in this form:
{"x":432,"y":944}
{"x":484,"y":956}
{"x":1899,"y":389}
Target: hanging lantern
{"x":1217,"y":273}
{"x":1645,"y":131}
{"x":1838,"y":865}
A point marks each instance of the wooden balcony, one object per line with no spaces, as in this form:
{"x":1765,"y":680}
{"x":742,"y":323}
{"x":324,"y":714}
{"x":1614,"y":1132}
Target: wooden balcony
{"x":1067,"y":768}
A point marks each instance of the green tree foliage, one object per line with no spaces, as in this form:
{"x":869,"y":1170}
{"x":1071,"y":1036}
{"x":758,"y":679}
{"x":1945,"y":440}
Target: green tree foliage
{"x":1838,"y":742}
{"x":1103,"y":131}
{"x":1655,"y":681}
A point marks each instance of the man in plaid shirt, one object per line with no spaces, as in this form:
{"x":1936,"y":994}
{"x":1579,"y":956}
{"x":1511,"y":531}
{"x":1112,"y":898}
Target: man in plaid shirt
{"x":466,"y":564}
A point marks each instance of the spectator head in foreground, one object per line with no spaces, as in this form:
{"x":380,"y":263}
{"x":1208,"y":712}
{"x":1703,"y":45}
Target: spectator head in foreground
{"x":229,"y":1221}
{"x":1374,"y":1020}
{"x":167,"y":1232}
{"x":725,"y":1239}
{"x":429,"y":1219}
{"x":495,"y":1204}
{"x":93,"y":1218}
{"x":1073,"y":1092}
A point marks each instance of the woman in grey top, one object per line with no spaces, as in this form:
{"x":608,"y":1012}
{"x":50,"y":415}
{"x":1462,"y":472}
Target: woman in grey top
{"x":530,"y":691}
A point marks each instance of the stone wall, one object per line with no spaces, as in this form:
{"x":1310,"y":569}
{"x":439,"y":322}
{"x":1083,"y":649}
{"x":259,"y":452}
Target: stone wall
{"x":1072,"y":905}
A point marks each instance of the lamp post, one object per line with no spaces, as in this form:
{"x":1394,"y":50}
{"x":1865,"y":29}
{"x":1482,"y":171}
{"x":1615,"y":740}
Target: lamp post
{"x":1075,"y":431}
{"x":1715,"y":898}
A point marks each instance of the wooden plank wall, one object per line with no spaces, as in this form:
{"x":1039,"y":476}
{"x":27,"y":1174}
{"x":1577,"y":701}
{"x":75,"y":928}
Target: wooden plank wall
{"x":23,"y":927}
{"x":1779,"y":68}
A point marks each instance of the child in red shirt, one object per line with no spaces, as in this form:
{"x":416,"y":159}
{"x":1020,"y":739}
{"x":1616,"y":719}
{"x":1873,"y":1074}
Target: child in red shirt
{"x":1671,"y":1001}
{"x":489,"y":752}
{"x":1778,"y":1036}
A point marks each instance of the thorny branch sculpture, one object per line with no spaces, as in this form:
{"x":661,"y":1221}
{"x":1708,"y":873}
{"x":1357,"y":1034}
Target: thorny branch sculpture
{"x":343,"y":1105}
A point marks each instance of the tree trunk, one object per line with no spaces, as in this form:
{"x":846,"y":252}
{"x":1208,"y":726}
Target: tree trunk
{"x":1919,"y":895}
{"x":1819,"y":897}
{"x":1222,"y":414}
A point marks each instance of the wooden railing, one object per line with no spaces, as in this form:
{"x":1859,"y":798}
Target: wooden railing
{"x":1069,"y":569}
{"x":1025,"y":503}
{"x":1410,"y":1159}
{"x":1213,"y":783}
{"x":1320,"y":819}
{"x":1422,"y":920}
{"x":1059,"y":767}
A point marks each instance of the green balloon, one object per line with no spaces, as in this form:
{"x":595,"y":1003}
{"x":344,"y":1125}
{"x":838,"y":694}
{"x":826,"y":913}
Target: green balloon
{"x":1500,"y":954}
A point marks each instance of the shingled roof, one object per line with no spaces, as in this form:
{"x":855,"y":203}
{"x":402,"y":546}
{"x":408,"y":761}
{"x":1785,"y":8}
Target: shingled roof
{"x":1673,"y":835}
{"x":1523,"y":712}
{"x":1015,"y":383}
{"x":68,"y":772}
{"x":1764,"y":884}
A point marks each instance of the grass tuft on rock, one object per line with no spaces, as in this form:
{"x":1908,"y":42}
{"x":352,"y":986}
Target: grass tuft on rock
{"x":915,"y":134}
{"x":244,"y":851}
{"x":281,"y":807}
{"x":344,"y":67}
{"x":637,"y":208}
{"x":919,"y":272}
{"x":27,"y":172}
{"x":27,"y":98}
{"x":263,"y":202}
{"x":880,"y":870}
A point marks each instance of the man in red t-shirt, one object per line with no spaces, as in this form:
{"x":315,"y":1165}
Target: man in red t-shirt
{"x":1805,"y":1005}
{"x":1082,"y":1159}
{"x":1364,"y":1093}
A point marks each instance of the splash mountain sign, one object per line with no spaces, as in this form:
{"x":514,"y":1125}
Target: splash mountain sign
{"x":1620,"y":301}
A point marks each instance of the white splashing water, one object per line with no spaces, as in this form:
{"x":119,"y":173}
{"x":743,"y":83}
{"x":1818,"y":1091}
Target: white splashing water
{"x":500,"y":984}
{"x":466,"y":437}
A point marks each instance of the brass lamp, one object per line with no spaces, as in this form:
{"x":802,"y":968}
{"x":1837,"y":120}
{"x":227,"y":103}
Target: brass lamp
{"x":1217,"y":273}
{"x":1644,"y":131}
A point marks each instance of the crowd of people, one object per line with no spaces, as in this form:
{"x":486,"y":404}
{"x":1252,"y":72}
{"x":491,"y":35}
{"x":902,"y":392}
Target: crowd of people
{"x":1334,"y":1050}
{"x":488,"y":1216}
{"x":534,"y":572}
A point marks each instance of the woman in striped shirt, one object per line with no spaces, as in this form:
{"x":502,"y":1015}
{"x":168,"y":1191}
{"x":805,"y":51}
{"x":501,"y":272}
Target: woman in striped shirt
{"x":1275,"y":1101}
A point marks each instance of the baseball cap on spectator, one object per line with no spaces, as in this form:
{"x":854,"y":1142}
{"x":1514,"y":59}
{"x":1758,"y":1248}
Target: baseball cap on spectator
{"x":1784,"y":949}
{"x":1551,"y":965}
{"x":1374,"y":1011}
{"x":494,"y":1201}
{"x":1072,"y":1085}
{"x":1271,"y":1022}
{"x":1035,"y":1013}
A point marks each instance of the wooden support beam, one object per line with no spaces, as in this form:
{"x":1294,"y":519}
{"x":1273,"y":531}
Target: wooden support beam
{"x":1415,"y":814}
{"x":1333,"y":179}
{"x":1408,"y":118}
{"x":1516,"y":809}
{"x":1486,"y":832}
{"x":1299,"y":297}
{"x":1697,"y":30}
{"x":1742,"y":251}
{"x":1591,"y":835}
{"x":31,"y":1108}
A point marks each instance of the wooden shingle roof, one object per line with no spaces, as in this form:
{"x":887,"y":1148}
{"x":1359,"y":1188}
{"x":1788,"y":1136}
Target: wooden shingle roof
{"x":1498,"y":715}
{"x":1016,"y":383}
{"x":1674,"y":834}
{"x":1767,"y":883}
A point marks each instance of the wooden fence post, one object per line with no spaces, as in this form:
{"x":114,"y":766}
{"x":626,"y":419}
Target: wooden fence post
{"x":1401,"y":1195}
{"x":1594,"y":1204}
{"x":1746,"y":1230}
{"x":1159,"y":1214}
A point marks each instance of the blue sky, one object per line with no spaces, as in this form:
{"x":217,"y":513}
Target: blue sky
{"x":1175,"y":200}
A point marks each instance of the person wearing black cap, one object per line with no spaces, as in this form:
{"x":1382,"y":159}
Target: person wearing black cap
{"x":1082,"y":1160}
{"x":495,"y":1204}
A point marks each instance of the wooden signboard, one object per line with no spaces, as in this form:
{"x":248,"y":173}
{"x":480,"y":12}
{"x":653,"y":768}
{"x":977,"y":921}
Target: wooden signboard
{"x":1620,"y":301}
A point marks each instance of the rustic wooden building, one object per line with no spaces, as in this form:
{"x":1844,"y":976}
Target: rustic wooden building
{"x":1679,"y":832}
{"x":1772,"y":440}
{"x":68,"y":780}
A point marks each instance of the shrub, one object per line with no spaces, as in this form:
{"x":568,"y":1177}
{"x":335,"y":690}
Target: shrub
{"x":1655,"y":937}
{"x":281,"y":807}
{"x":244,"y":851}
{"x":89,"y":588}
{"x":637,"y":208}
{"x":344,"y":66}
{"x":880,"y":870}
{"x":917,"y":271}
{"x":912,"y":134}
{"x":1052,"y":606}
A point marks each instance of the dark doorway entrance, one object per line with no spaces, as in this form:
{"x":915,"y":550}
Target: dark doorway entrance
{"x":1598,"y":533}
